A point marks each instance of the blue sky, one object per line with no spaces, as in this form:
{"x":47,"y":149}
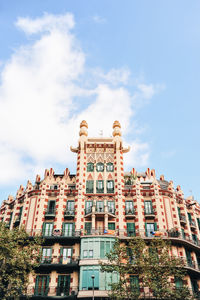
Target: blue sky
{"x":64,"y":61}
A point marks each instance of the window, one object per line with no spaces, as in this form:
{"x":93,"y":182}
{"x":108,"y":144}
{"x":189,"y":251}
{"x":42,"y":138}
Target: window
{"x":20,"y":213}
{"x":51,"y":206}
{"x":87,"y":282}
{"x":195,"y":287}
{"x":100,"y":186}
{"x":111,"y":207}
{"x":88,"y":207}
{"x":150,"y":229}
{"x":198,"y":222}
{"x":88,"y":226}
{"x":63,"y":285}
{"x":85,"y":252}
{"x":11,"y":214}
{"x":110,"y":186}
{"x":111,"y":226}
{"x":130,"y":229}
{"x":90,"y":167}
{"x":129,"y":208}
{"x":179,"y":212}
{"x":148,"y":207}
{"x":109,"y":167}
{"x":68,"y":229}
{"x":134,"y":283}
{"x":65,"y":255}
{"x":189,"y":257}
{"x":42,"y":285}
{"x":70,"y":207}
{"x":89,"y":186}
{"x":105,"y":247}
{"x":46,"y":255}
{"x":47,"y":229}
{"x":99,"y":206}
{"x":90,"y":253}
{"x":100,"y":167}
{"x":178,"y":283}
{"x":190,"y":218}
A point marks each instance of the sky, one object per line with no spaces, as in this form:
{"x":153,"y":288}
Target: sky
{"x":136,"y":61}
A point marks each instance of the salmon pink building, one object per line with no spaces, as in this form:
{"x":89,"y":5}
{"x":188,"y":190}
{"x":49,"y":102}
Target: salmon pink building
{"x":81,"y":215}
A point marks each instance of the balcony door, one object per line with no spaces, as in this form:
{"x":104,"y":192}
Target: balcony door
{"x":66,"y":255}
{"x":42,"y":285}
{"x":63,"y":288}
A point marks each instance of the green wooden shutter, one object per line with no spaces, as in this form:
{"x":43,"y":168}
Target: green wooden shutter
{"x":131,"y":229}
{"x":36,"y":285}
{"x":47,"y":285}
{"x":155,"y":226}
{"x":84,"y":279}
{"x":102,"y":249}
{"x":43,"y":228}
{"x":189,"y":217}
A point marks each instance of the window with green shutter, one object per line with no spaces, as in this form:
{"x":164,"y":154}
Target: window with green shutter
{"x":111,"y":207}
{"x":178,"y":283}
{"x":110,"y":186}
{"x":68,"y":229}
{"x":134,"y":283}
{"x":99,"y":206}
{"x":148,"y":209}
{"x":66,"y":255}
{"x":47,"y":229}
{"x":100,"y":186}
{"x":89,"y":186}
{"x":111,"y":226}
{"x":129,"y":208}
{"x":63,"y":286}
{"x":11,"y":214}
{"x":46,"y":255}
{"x":110,"y":167}
{"x":190,"y":218}
{"x":100,"y":167}
{"x":130,"y":229}
{"x":88,"y":227}
{"x":198,"y":222}
{"x":150,"y":229}
{"x":88,"y":207}
{"x":90,"y":167}
{"x":42,"y":285}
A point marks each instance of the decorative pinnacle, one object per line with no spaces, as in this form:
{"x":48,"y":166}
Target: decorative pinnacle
{"x":117,"y":129}
{"x":83,"y":128}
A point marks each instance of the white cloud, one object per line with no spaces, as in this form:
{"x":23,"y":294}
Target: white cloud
{"x":114,"y":76}
{"x":138,"y":156}
{"x":42,"y":101}
{"x":98,"y":19}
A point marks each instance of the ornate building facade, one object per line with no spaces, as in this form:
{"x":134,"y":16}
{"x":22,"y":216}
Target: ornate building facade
{"x":81,"y":215}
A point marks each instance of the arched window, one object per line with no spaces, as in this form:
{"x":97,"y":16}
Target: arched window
{"x":90,"y":167}
{"x":110,"y":167}
{"x":100,"y":167}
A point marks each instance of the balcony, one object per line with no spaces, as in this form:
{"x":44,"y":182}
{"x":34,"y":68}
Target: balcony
{"x":110,"y":191}
{"x":52,"y":291}
{"x":50,"y":213}
{"x":99,"y":209}
{"x":192,"y":225}
{"x":89,"y":191}
{"x":129,"y":213}
{"x":183,"y":219}
{"x":100,"y":191}
{"x":88,"y":210}
{"x":111,"y":210}
{"x":69,"y":214}
{"x":149,"y":213}
{"x":58,"y":263}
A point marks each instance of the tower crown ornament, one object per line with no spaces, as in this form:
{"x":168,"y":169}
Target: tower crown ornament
{"x":83,"y":128}
{"x":117,"y":129}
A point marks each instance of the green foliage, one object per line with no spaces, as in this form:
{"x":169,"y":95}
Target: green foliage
{"x":19,"y":255}
{"x":153,"y":267}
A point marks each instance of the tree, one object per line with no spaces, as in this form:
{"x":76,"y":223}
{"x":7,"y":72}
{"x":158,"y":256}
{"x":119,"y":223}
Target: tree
{"x":141,"y":267}
{"x":18,"y":257}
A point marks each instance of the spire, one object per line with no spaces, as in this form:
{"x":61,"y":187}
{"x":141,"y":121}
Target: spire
{"x":83,"y":128}
{"x":117,"y":129}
